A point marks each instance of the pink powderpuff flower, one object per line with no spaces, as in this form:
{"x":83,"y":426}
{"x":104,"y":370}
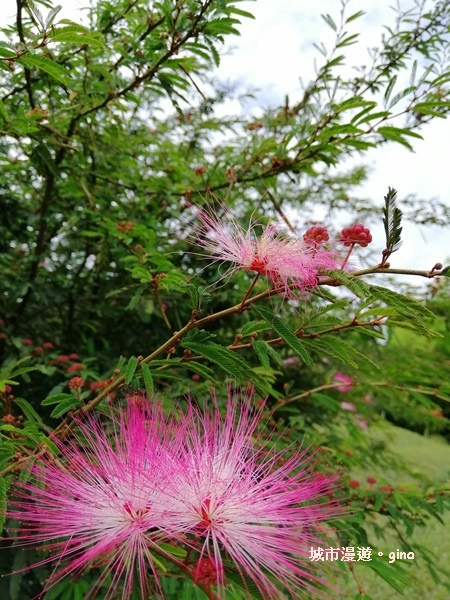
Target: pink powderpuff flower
{"x":346,"y":380}
{"x":103,"y":503}
{"x":289,"y":263}
{"x":347,"y":406}
{"x":362,"y":423}
{"x":247,"y":506}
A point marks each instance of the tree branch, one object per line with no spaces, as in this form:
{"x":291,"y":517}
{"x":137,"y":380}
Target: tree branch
{"x":64,"y":429}
{"x":28,"y":86}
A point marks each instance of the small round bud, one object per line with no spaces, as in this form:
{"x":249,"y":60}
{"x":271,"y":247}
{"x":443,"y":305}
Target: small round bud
{"x":75,"y":367}
{"x":76,"y":383}
{"x":316,"y":236}
{"x":356,"y":234}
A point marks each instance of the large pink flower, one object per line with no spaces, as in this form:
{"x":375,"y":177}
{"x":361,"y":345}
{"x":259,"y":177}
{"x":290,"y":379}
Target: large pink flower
{"x":246,"y":506}
{"x":208,"y":482}
{"x":103,"y":503}
{"x":290,"y":263}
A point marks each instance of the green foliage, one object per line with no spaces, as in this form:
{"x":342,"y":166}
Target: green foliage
{"x":392,"y":218}
{"x":111,"y":141}
{"x":286,"y":334}
{"x":3,"y":490}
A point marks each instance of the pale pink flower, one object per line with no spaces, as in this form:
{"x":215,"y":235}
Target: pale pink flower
{"x":346,"y":380}
{"x":290,"y":361}
{"x":347,"y":406}
{"x":241,"y":501}
{"x":102,"y":504}
{"x":289,"y":263}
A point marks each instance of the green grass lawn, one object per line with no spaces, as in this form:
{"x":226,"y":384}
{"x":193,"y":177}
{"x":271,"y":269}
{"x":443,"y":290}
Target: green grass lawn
{"x":428,"y":458}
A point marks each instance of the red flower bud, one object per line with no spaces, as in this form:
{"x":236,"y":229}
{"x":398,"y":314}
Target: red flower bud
{"x":316,"y":235}
{"x":75,"y":367}
{"x":356,"y":234}
{"x":76,"y":382}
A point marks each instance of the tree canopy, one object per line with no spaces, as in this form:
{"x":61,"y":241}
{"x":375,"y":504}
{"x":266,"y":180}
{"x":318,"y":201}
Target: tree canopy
{"x":113,"y":155}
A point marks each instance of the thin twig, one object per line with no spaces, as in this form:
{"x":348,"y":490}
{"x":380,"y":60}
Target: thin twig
{"x":279,"y":210}
{"x":358,"y":583}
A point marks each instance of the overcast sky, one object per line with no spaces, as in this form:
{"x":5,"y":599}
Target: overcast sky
{"x":276,"y":49}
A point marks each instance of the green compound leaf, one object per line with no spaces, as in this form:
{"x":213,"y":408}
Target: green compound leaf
{"x":230,"y":362}
{"x":260,"y":347}
{"x":76,"y":34}
{"x":393,"y":574}
{"x":46,"y":64}
{"x":148,"y":380}
{"x":3,"y":489}
{"x":28,"y":410}
{"x":287,"y":335}
{"x":56,"y":399}
{"x":354,"y":284}
{"x":130,"y":369}
{"x":392,"y":220}
{"x":64,"y":407}
{"x":403,"y":304}
{"x":174,"y":550}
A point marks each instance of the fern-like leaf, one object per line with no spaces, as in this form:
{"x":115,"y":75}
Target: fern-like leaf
{"x":392,"y":218}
